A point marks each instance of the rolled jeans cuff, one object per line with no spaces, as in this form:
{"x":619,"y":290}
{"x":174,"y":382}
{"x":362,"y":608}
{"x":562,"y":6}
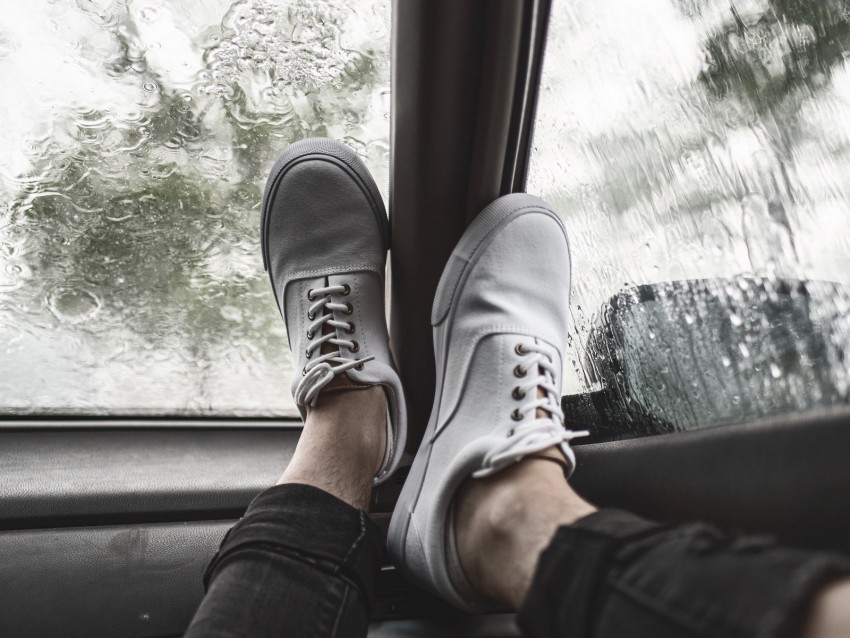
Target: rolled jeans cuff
{"x":613,"y":574}
{"x":310,"y":525}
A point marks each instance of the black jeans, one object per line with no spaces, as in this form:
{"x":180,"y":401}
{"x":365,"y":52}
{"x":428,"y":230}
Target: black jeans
{"x":303,"y":563}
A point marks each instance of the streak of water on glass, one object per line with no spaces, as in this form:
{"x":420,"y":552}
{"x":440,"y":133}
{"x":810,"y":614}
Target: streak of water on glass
{"x":136,"y":139}
{"x":704,"y":142}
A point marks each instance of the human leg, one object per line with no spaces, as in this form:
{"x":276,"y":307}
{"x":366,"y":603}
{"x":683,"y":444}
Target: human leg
{"x":499,"y":320}
{"x":486,"y":523}
{"x":303,"y":559}
{"x":341,"y":447}
{"x":530,"y":543}
{"x":503,"y":520}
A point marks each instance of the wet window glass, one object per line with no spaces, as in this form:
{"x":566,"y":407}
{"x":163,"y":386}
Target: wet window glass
{"x":698,"y":151}
{"x":136,"y":138}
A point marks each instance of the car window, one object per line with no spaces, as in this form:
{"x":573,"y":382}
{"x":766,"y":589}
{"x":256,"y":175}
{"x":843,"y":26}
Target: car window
{"x":698,"y":151}
{"x":136,"y":139}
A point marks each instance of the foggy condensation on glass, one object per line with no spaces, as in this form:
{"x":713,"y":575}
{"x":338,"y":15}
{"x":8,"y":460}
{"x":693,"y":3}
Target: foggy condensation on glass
{"x":698,"y":151}
{"x":136,"y":139}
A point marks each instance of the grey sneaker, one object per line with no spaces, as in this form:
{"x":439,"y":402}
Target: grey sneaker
{"x":499,"y":319}
{"x":325,"y":236}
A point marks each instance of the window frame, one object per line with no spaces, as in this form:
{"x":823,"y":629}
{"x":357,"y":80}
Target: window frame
{"x":129,"y":475}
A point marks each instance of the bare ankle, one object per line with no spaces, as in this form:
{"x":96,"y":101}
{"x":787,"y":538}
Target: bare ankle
{"x":830,"y":613}
{"x":360,"y":410}
{"x":342,"y":444}
{"x":504,"y":522}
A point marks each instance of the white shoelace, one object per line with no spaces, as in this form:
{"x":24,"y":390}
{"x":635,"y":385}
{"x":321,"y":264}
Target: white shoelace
{"x":319,"y":372}
{"x":529,"y":435}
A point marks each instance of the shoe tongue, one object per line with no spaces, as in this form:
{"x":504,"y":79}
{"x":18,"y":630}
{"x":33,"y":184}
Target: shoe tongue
{"x":327,"y":329}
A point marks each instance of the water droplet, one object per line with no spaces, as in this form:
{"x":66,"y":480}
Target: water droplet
{"x":6,"y":46}
{"x":231,"y":313}
{"x":775,"y":371}
{"x":735,"y":320}
{"x":73,"y":305}
{"x":745,"y":351}
{"x":149,"y":13}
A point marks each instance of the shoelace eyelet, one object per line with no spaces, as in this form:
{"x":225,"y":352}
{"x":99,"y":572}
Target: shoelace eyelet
{"x":518,"y":394}
{"x":304,"y":372}
{"x":510,"y":434}
{"x":519,"y":371}
{"x":310,"y":334}
{"x":308,"y":353}
{"x":359,"y":366}
{"x":350,"y":329}
{"x":347,"y":289}
{"x":348,"y":309}
{"x":311,"y":315}
{"x":520,"y":350}
{"x":310,"y":295}
{"x":516,"y":415}
{"x":354,"y":347}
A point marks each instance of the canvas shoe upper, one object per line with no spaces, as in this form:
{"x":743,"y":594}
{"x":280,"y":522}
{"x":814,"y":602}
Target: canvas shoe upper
{"x":325,"y":236}
{"x":500,"y":325}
